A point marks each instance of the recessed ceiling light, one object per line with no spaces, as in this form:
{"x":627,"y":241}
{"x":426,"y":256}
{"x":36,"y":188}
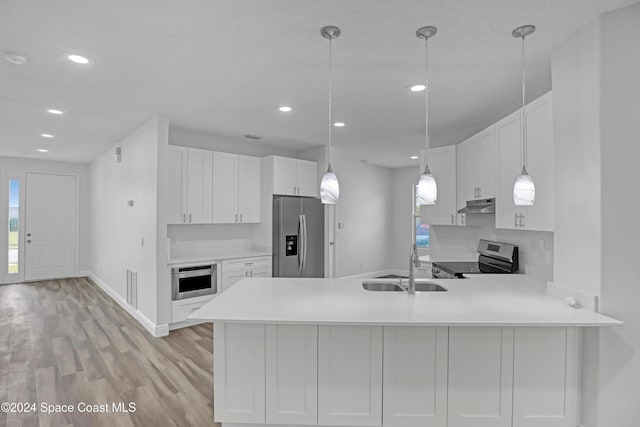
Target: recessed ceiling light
{"x":42,"y":150}
{"x":417,"y":88}
{"x":78,"y":59}
{"x":338,"y":124}
{"x":285,"y":109}
{"x":46,"y":135}
{"x":414,"y":157}
{"x":54,"y":111}
{"x":15,"y":58}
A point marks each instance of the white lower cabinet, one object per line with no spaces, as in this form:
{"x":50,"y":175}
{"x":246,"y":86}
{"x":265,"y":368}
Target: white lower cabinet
{"x":545,"y":377}
{"x":480,"y":376}
{"x":415,"y":376}
{"x":396,"y":376}
{"x":292,"y":374}
{"x":237,"y":269}
{"x":239,"y":366}
{"x":350,"y":375}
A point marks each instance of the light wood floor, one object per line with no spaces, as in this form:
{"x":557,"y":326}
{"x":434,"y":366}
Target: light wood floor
{"x":65,"y":341}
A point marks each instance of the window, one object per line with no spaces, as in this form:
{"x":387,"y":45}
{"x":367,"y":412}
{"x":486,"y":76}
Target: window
{"x":421,"y":231}
{"x":14,"y":225}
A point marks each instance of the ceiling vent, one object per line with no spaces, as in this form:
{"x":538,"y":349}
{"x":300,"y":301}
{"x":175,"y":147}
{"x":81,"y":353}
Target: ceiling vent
{"x":252,"y":136}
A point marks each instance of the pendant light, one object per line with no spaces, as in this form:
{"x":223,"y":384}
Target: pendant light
{"x":427,"y":192}
{"x":329,"y":187}
{"x":524,"y":190}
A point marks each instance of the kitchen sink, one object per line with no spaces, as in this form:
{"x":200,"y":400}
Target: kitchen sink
{"x":421,"y":286}
{"x":382,"y":287}
{"x":428,"y":287}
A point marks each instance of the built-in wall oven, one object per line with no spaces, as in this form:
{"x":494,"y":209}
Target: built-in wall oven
{"x":194,"y":281}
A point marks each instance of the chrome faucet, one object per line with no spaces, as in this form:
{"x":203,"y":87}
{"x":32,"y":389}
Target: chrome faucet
{"x":414,"y":261}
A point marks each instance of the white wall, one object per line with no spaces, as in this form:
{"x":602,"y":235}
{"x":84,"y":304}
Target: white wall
{"x":365,"y":212}
{"x":44,"y":166}
{"x":450,"y":243}
{"x":597,"y":70}
{"x":576,"y":99}
{"x":118,"y":230}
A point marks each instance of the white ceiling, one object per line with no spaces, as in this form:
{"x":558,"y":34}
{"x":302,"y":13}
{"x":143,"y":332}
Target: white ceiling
{"x":224,"y":66}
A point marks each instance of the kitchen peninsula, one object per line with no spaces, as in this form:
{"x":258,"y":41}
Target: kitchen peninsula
{"x":494,"y":350}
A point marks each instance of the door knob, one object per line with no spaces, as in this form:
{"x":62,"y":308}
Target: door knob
{"x":28,"y":234}
{"x":29,"y":241}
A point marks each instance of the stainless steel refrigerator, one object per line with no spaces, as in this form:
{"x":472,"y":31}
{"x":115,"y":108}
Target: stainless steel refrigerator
{"x":298,"y":237}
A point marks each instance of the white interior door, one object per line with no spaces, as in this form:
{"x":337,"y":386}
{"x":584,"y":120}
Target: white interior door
{"x":50,"y":226}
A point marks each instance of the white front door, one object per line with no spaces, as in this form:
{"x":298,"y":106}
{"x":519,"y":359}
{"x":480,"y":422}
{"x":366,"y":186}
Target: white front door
{"x":50,"y":226}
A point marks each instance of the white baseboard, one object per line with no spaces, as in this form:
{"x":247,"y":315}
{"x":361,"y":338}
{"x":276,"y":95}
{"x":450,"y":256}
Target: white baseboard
{"x":590,"y":302}
{"x":155,"y":330}
{"x":83,"y":273}
{"x":185,"y":324}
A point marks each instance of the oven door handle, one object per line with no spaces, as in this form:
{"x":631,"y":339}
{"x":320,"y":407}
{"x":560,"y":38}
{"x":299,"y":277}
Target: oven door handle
{"x":193,"y":273}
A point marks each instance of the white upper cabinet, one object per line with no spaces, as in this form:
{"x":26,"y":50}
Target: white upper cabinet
{"x":509,"y":166}
{"x":190,"y":198}
{"x":249,"y":188}
{"x":478,"y":160}
{"x":539,"y":164}
{"x":307,"y":178}
{"x":236,"y":188}
{"x":199,"y":186}
{"x":177,"y":166}
{"x":442,"y":164}
{"x":294,"y":177}
{"x":225,"y":188}
{"x":284,"y":176}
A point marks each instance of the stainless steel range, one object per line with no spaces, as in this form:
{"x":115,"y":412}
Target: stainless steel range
{"x":493,"y":257}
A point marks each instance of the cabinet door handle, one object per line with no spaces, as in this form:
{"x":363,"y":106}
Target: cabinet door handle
{"x":184,"y":217}
{"x":236,"y":218}
{"x":522,"y":221}
{"x":479,"y":192}
{"x":462,"y":219}
{"x":240,"y":217}
{"x":294,"y":190}
{"x":452,"y":219}
{"x":189,"y":217}
{"x":515,"y":220}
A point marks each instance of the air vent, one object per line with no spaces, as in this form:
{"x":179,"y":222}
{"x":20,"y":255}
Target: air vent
{"x":132,"y":288}
{"x":252,"y":136}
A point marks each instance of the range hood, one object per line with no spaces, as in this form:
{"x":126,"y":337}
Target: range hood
{"x":482,"y":206}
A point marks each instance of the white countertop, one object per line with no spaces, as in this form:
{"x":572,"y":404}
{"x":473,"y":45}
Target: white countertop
{"x":481,"y":300}
{"x":216,"y":256}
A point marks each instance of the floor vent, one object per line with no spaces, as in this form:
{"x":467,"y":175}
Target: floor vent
{"x":132,"y":288}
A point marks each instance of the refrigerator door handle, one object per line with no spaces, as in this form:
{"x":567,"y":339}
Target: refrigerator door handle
{"x":300,"y":239}
{"x":304,"y":241}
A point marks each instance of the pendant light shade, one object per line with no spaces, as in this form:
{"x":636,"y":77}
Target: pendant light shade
{"x":427,"y":191}
{"x":524,"y":190}
{"x":329,"y":186}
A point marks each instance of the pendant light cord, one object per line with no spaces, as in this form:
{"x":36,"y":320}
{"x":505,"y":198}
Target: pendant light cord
{"x":426,"y":103}
{"x":330,"y":103}
{"x":523,"y":127}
